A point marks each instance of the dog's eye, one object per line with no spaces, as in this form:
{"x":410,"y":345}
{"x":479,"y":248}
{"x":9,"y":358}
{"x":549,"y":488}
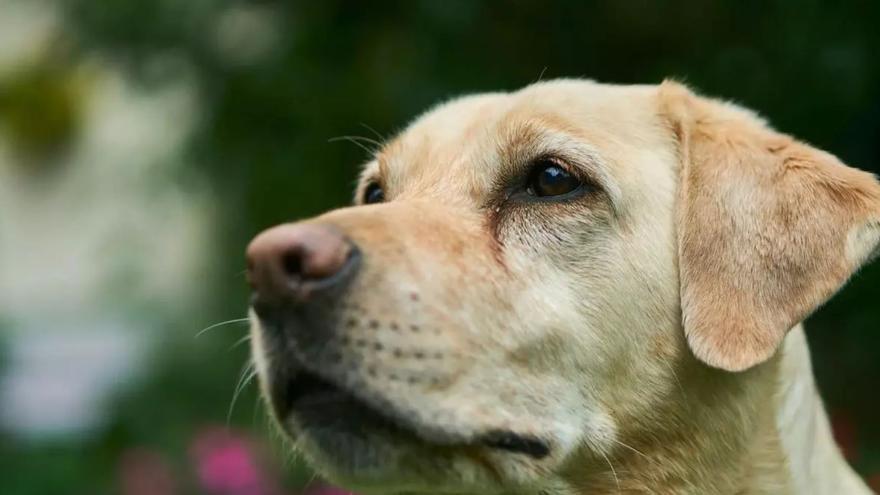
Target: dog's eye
{"x":373,"y":193}
{"x":549,"y":178}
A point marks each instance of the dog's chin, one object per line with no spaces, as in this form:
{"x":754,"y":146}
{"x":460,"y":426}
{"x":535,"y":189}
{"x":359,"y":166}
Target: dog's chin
{"x":357,"y":444}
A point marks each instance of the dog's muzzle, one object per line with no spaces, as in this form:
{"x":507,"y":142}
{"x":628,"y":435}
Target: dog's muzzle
{"x":299,"y":274}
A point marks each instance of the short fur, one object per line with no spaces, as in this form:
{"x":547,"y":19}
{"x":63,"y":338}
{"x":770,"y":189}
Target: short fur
{"x":647,"y":330}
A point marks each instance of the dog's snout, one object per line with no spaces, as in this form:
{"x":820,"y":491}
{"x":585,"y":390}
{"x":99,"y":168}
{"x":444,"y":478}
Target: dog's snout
{"x":288,"y":262}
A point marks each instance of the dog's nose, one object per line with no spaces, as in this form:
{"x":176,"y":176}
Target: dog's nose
{"x":289,"y":262}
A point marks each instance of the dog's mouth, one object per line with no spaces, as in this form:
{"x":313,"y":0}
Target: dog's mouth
{"x":317,"y":403}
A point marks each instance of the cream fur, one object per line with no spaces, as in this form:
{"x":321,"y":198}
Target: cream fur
{"x":640,"y":329}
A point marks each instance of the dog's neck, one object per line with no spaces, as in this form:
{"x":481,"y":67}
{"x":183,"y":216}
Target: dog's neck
{"x":763,"y":431}
{"x":815,"y":462}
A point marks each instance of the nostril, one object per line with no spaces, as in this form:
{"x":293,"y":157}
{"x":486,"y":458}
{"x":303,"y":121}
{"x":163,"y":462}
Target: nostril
{"x":292,"y":263}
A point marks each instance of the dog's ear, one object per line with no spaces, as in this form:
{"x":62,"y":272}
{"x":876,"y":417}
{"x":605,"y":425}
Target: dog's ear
{"x":768,"y":228}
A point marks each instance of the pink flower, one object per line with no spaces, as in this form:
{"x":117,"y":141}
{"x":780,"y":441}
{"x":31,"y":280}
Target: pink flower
{"x":226,"y":465}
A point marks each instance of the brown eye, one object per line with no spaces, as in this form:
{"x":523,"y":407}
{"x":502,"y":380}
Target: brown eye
{"x":373,"y":193}
{"x":548,"y":178}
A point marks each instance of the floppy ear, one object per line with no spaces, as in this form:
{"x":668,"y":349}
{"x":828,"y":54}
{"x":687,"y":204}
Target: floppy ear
{"x":768,"y":228}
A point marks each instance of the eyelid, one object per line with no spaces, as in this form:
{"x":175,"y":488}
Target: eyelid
{"x":370,"y":172}
{"x":362,"y":187}
{"x":532,"y":167}
{"x":590,"y":167}
{"x":559,"y":162}
{"x":580,"y":161}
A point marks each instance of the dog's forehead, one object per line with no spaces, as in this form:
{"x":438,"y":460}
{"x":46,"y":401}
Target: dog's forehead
{"x":463,"y":137}
{"x":443,"y":143}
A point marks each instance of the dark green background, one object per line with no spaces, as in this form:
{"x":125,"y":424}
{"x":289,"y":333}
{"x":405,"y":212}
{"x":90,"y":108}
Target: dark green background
{"x":812,"y":68}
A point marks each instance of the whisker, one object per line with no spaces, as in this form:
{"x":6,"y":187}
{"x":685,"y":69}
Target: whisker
{"x":630,"y":447}
{"x":616,"y":479}
{"x":215,"y":325}
{"x":365,"y":139}
{"x":289,"y":455}
{"x":374,"y":131}
{"x":541,"y":75}
{"x":247,"y":374}
{"x":240,"y":341}
{"x":359,"y":142}
{"x":312,"y":479}
{"x":674,"y":376}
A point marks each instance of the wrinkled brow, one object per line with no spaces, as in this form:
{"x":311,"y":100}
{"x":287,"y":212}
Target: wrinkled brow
{"x":522,"y":142}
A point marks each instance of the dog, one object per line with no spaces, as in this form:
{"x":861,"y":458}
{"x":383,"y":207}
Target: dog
{"x":574,"y":288}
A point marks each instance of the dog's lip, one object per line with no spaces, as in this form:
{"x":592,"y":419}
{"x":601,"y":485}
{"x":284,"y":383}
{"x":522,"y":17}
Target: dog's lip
{"x":310,"y":390}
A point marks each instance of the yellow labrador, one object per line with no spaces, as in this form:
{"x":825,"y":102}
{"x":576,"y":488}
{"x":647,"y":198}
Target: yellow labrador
{"x":575,"y":288}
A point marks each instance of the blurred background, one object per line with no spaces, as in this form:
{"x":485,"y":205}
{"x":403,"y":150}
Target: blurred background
{"x":143,"y":143}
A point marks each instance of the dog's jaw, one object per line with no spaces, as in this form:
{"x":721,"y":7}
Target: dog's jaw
{"x":359,"y":438}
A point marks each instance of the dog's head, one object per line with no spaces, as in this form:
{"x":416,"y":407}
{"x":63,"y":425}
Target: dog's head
{"x":525,"y":277}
